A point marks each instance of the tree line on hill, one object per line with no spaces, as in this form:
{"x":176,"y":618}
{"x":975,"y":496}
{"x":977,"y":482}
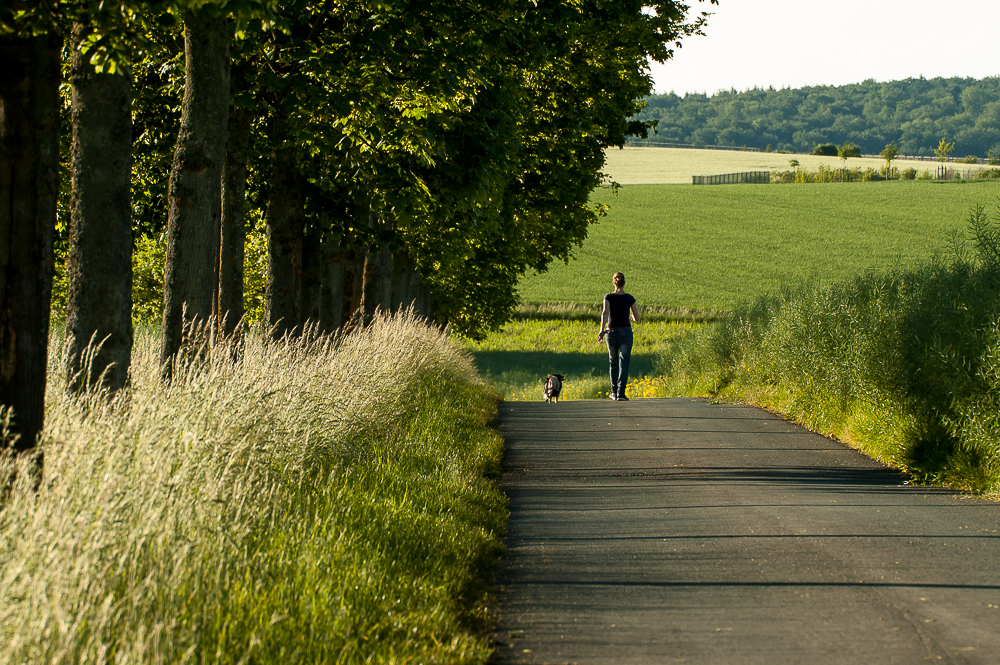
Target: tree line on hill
{"x":394,"y":152}
{"x":914,"y":113}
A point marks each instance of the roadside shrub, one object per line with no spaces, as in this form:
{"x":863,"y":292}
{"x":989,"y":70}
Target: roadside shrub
{"x":255,"y":276}
{"x":826,"y":150}
{"x":909,"y":174}
{"x":849,"y":150}
{"x":148,"y":258}
{"x":872,"y":175}
{"x":904,"y":365}
{"x":988,"y":174}
{"x":969,"y":159}
{"x":326,"y":500}
{"x":783,"y":177}
{"x":925,"y":175}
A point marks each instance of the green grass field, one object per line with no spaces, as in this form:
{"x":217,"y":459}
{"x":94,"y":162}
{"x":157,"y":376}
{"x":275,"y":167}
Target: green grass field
{"x":646,"y":166}
{"x":708,"y":248}
{"x":517,"y":359}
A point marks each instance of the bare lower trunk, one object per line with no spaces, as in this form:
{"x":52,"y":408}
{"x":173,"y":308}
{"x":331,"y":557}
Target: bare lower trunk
{"x":29,"y":185}
{"x":377,"y":285}
{"x":285,"y":236}
{"x":407,"y":287}
{"x":400,"y":281}
{"x":195,"y":196}
{"x":322,"y":281}
{"x":232,"y":238}
{"x":99,"y":306}
{"x":357,"y":283}
{"x":312,"y":276}
{"x":332,"y":298}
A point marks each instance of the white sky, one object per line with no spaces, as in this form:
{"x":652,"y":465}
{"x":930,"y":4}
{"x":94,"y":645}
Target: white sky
{"x":795,"y":43}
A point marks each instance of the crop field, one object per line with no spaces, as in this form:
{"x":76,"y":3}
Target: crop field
{"x":709,"y":248}
{"x":655,"y":166}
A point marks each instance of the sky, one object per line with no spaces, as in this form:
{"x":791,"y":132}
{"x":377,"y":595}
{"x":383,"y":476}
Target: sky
{"x":796,"y":43}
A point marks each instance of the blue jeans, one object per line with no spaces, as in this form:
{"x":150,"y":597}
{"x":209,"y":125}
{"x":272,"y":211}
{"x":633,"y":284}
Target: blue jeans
{"x":619,"y":354}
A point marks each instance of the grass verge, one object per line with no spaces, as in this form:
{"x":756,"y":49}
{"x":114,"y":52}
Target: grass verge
{"x":321,"y":501}
{"x":517,"y":359}
{"x":902,"y":364}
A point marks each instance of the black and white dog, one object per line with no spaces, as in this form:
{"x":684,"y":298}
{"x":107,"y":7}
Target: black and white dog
{"x":553,"y":386}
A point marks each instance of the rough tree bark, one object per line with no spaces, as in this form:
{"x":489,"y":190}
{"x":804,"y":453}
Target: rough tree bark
{"x":332,"y":297}
{"x":232,"y":237}
{"x":195,"y":195}
{"x":357,"y":282}
{"x":322,"y":280}
{"x":377,"y":285}
{"x":312,"y":276}
{"x":406,"y":286}
{"x":29,"y":186}
{"x":99,"y":304}
{"x":285,"y":235}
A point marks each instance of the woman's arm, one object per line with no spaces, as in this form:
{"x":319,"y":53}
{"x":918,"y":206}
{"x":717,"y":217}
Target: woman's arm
{"x":605,"y":316}
{"x":635,"y":313}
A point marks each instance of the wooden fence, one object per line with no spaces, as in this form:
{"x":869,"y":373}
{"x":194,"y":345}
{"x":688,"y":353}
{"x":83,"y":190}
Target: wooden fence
{"x":755,"y":177}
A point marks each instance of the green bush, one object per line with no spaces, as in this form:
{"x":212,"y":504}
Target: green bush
{"x":988,"y":174}
{"x":872,"y":175}
{"x":826,"y":150}
{"x":969,"y":159}
{"x":255,"y":276}
{"x":909,"y":174}
{"x":903,"y":364}
{"x":849,"y":150}
{"x":783,"y":177}
{"x":148,"y":258}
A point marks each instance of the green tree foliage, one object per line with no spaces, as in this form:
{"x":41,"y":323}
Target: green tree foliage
{"x":944,"y":149}
{"x":889,"y":153}
{"x":848,"y":150}
{"x":914,"y":113}
{"x":826,"y":150}
{"x":473,"y":131}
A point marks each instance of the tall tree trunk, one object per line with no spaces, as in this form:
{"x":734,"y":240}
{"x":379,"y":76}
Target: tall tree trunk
{"x":377,"y":286}
{"x":232,"y":238}
{"x":406,"y":287}
{"x":29,"y":186}
{"x":332,"y":297}
{"x":357,"y":283}
{"x":195,"y":195}
{"x":285,"y":236}
{"x":312,"y":277}
{"x":401,"y":268}
{"x":322,"y":280}
{"x":99,"y":306}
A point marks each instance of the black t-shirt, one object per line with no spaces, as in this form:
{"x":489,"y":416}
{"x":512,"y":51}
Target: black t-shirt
{"x":619,"y":304}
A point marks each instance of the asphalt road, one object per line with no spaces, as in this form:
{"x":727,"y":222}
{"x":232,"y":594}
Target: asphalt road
{"x":661,"y":531}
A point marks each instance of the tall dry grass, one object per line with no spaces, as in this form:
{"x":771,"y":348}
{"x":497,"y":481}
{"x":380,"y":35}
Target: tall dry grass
{"x":326,"y":500}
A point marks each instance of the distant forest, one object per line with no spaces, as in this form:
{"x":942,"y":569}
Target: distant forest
{"x":915,"y":113}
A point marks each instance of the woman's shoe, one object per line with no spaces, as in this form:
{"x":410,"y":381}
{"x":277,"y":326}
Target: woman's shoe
{"x":613,"y":397}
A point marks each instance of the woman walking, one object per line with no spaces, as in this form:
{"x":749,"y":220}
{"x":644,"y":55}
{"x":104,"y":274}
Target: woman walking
{"x":619,"y":308}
